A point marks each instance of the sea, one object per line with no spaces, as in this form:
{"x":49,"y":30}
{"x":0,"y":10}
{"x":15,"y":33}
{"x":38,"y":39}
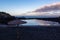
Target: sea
{"x":35,"y":22}
{"x":32,"y":22}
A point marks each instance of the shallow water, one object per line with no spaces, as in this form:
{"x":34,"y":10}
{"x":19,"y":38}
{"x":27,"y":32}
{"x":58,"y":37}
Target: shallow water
{"x":34,"y":22}
{"x":40,"y":22}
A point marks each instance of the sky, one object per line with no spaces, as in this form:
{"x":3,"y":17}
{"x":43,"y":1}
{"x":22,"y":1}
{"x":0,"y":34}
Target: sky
{"x":19,"y":7}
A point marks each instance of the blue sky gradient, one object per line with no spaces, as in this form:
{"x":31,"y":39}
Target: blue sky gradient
{"x":17,"y":7}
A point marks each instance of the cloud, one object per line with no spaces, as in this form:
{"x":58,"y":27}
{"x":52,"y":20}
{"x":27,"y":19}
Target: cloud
{"x":50,"y":10}
{"x":49,"y":7}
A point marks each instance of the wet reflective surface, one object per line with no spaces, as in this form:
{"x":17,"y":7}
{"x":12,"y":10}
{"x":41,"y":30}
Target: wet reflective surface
{"x":41,"y":22}
{"x":33,"y":22}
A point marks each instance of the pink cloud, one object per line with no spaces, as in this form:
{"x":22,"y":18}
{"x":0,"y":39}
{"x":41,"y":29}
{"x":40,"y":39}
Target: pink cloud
{"x":49,"y":7}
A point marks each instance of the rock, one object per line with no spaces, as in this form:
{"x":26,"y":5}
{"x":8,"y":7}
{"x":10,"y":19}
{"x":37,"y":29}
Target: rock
{"x":5,"y":17}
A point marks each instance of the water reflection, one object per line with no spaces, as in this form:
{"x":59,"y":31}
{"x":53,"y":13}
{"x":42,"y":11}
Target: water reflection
{"x":41,"y":22}
{"x":49,"y":23}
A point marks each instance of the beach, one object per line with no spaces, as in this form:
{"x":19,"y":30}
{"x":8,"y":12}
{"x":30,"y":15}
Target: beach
{"x":30,"y":33}
{"x":32,"y":30}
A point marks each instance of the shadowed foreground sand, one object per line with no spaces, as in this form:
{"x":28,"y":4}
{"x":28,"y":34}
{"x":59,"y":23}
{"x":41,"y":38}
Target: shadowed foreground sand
{"x":30,"y":33}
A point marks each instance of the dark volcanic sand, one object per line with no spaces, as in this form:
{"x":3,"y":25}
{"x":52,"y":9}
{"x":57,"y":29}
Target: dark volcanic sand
{"x":30,"y":33}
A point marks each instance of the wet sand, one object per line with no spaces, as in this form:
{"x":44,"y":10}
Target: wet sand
{"x":30,"y":33}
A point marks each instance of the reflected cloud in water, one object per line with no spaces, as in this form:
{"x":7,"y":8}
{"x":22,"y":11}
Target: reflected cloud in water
{"x":47,"y":23}
{"x":41,"y":22}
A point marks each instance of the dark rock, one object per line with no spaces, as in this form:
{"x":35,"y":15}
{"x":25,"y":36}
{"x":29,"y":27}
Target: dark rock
{"x":5,"y":17}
